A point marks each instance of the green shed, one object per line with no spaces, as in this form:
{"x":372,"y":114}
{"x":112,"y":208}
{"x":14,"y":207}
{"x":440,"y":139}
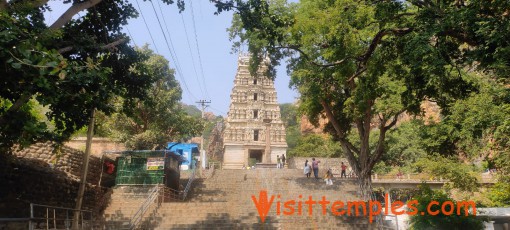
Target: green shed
{"x":149,"y":168}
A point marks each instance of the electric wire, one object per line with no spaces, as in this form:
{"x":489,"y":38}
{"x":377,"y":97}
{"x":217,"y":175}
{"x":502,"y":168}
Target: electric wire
{"x":168,"y":46}
{"x":150,"y":34}
{"x":217,"y":110}
{"x":198,"y":49}
{"x":172,"y":51}
{"x":127,"y":28}
{"x":192,"y":56}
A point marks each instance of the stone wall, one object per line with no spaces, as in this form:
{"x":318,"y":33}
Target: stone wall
{"x":67,"y":160}
{"x":24,"y":181}
{"x":99,"y":145}
{"x":333,"y":163}
{"x":39,"y":174}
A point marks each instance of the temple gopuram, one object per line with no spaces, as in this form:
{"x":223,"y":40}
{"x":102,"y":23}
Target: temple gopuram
{"x":254,"y":132}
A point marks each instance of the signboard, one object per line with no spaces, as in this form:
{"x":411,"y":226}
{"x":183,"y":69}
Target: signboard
{"x":155,"y":163}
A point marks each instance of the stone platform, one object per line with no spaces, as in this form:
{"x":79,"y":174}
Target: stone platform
{"x":265,"y":165}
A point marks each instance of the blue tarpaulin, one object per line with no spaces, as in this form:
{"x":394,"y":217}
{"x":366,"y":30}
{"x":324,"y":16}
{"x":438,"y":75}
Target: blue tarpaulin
{"x":186,"y":150}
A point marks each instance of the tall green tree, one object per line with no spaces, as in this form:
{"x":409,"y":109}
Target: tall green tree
{"x":70,"y":67}
{"x":290,"y":118}
{"x":359,"y":64}
{"x":159,"y":117}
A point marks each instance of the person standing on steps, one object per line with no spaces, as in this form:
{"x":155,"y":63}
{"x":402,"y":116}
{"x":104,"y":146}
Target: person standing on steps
{"x":329,"y":177}
{"x":283,"y":161}
{"x":344,"y":167}
{"x":278,"y":161}
{"x":308,"y":169}
{"x":315,"y":168}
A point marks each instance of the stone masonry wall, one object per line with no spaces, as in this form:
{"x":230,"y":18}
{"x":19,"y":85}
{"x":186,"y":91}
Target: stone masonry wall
{"x":25,"y":181}
{"x":38,"y":174}
{"x":68,"y":160}
{"x":99,"y":145}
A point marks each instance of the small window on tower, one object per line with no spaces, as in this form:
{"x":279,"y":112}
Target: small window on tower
{"x":254,"y":96}
{"x":255,"y":135}
{"x":255,"y":114}
{"x":254,"y":81}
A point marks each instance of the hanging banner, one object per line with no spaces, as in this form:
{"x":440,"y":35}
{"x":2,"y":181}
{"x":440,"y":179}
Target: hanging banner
{"x":155,"y":163}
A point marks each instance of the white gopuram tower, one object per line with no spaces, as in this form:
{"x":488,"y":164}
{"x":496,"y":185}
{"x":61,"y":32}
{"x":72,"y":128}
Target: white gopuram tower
{"x":254,"y":131}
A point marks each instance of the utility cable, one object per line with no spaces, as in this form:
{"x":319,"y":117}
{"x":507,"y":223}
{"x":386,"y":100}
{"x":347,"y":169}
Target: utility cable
{"x":146,"y":26}
{"x":168,"y":46}
{"x":198,"y":49}
{"x":127,"y":28}
{"x":191,"y":54}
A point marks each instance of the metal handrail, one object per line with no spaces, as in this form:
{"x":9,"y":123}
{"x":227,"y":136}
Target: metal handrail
{"x":137,"y":218}
{"x":169,"y":194}
{"x":67,"y":220}
{"x":188,"y":186}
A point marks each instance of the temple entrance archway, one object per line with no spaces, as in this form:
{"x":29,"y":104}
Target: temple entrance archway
{"x":255,"y":156}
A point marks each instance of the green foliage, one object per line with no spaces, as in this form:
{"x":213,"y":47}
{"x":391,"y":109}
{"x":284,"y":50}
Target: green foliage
{"x":404,"y":144}
{"x":360,"y":64}
{"x":291,"y":120}
{"x":316,"y":145}
{"x":382,"y":168}
{"x":289,"y":114}
{"x":67,"y":69}
{"x":293,"y":135}
{"x":440,"y":221}
{"x":477,"y":118}
{"x":192,"y":110}
{"x":160,"y":117}
{"x":499,"y":194}
{"x":460,"y":175}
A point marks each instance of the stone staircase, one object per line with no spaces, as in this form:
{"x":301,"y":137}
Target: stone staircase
{"x":125,"y":202}
{"x":224,"y":201}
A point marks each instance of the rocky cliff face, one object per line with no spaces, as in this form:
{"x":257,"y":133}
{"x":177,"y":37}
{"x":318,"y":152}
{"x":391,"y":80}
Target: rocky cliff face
{"x":307,"y":127}
{"x":431,"y":113}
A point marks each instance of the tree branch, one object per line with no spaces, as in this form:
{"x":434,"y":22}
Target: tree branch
{"x":347,"y":147}
{"x":105,"y":47}
{"x":380,"y":145}
{"x":39,"y":3}
{"x":460,"y":36}
{"x":382,"y":135}
{"x":394,"y":120}
{"x":296,"y":48}
{"x":224,"y":5}
{"x":73,"y":10}
{"x":331,"y":118}
{"x":23,"y":99}
{"x":3,"y":4}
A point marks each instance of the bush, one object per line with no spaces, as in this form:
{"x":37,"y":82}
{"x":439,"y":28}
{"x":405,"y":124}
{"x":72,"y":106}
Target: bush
{"x":440,"y":221}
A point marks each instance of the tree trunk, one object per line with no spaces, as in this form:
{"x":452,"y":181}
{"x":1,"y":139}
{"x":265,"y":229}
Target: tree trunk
{"x":365,"y":185}
{"x":84,"y":171}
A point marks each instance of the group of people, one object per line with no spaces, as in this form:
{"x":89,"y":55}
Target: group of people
{"x":280,"y":161}
{"x":328,"y":177}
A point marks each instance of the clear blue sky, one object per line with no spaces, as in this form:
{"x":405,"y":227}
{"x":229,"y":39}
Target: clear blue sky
{"x":210,"y":79}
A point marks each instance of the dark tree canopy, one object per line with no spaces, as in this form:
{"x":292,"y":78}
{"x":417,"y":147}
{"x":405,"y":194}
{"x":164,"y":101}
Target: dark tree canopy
{"x":69,"y":67}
